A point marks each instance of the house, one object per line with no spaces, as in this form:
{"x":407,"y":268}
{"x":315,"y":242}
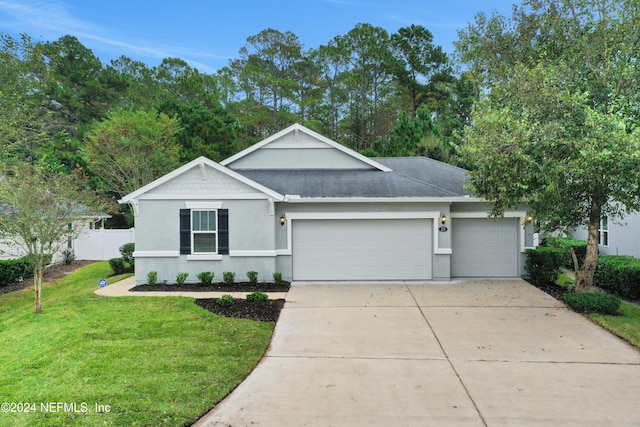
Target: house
{"x":305,"y":206}
{"x":616,"y":236}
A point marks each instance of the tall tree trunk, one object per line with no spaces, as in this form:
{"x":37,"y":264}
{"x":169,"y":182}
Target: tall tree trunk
{"x":37,"y":284}
{"x":584,"y":281}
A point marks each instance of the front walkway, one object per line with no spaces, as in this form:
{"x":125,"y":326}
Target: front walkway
{"x":475,"y":353}
{"x":123,"y":289}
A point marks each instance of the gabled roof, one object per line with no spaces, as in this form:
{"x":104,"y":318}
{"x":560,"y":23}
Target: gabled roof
{"x":200,"y":162}
{"x":299,"y":128}
{"x":411,"y":177}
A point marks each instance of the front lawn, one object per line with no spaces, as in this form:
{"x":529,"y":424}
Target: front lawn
{"x":626,"y":326}
{"x":117,"y":361}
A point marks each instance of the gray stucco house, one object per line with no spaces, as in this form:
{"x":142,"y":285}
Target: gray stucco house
{"x":617,"y":236}
{"x":303,"y":205}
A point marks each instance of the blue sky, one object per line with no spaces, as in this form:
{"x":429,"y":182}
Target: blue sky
{"x":207,"y":33}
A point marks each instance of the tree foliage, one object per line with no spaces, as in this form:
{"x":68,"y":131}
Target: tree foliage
{"x":130,"y":149}
{"x":559,"y":127}
{"x":39,"y":210}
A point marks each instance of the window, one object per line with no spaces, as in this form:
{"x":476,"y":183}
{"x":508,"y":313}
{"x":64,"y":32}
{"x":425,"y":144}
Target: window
{"x":603,"y":232}
{"x":204,"y":232}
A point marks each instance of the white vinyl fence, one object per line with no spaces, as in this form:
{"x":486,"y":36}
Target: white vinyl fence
{"x":101,"y":244}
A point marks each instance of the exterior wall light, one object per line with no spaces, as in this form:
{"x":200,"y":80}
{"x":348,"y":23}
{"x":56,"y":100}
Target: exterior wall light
{"x":528,"y":219}
{"x":283,"y":220}
{"x":443,"y":219}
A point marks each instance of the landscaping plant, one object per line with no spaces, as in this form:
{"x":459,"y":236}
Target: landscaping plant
{"x":253,"y":277}
{"x":206,"y":277}
{"x":229,"y":277}
{"x":181,"y":278}
{"x":152,"y":278}
{"x":593,"y":302}
{"x":277,"y":278}
{"x":225,"y":300}
{"x":257,"y":296}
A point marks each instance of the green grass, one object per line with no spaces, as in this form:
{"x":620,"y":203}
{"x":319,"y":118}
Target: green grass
{"x":154,"y":360}
{"x":626,"y":326}
{"x":564,"y":280}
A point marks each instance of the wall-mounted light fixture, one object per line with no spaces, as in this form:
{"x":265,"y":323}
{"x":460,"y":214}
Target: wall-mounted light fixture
{"x":283,"y":220}
{"x":443,"y":219}
{"x":528,"y":219}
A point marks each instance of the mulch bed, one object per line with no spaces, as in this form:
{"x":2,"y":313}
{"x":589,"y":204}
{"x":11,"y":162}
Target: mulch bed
{"x":215,"y":287}
{"x":263,"y":311}
{"x":552,"y":289}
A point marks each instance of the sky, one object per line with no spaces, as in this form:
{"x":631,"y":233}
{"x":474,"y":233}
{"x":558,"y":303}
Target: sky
{"x":208,"y":33}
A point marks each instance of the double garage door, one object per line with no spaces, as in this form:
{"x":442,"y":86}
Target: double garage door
{"x":362,"y":249}
{"x":401,"y":249}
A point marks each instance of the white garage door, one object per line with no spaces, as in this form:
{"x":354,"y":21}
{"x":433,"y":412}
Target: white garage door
{"x":484,"y":248}
{"x":362,"y":249}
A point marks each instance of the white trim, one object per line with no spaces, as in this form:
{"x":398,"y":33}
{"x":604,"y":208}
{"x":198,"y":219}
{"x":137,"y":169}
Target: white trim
{"x":200,"y":162}
{"x":433,"y":215}
{"x":294,"y":198}
{"x":265,"y":253}
{"x":204,"y":257}
{"x":203,"y":205}
{"x":299,"y":128}
{"x":156,"y":254}
{"x":202,"y":196}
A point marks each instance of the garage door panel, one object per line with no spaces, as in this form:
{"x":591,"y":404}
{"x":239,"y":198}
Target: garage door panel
{"x":362,"y":249}
{"x":484,"y":248}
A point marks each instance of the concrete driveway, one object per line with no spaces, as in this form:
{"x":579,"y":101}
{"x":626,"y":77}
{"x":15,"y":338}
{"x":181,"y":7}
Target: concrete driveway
{"x":470,"y":353}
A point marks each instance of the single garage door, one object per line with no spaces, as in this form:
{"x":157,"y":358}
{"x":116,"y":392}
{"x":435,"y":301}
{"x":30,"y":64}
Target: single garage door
{"x":359,"y":249}
{"x":484,"y":248}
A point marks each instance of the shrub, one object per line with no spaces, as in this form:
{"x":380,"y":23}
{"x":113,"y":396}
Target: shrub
{"x":152,"y":278}
{"x":13,"y":270}
{"x":253,"y":277}
{"x":564,"y":246}
{"x":225,"y":300}
{"x":229,"y":277}
{"x":206,"y":277}
{"x":117,"y":265}
{"x":619,"y":274}
{"x":181,"y":278}
{"x":126,"y":251}
{"x":277,"y":278}
{"x":68,"y":256}
{"x":593,"y":303}
{"x":257,"y":296}
{"x":543,"y":264}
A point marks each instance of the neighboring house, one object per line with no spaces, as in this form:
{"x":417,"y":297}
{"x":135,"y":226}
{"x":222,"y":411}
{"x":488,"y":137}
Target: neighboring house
{"x":312,"y":209}
{"x":617,"y":236}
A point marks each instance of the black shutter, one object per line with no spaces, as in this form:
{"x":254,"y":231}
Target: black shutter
{"x":185,"y":231}
{"x":223,"y":231}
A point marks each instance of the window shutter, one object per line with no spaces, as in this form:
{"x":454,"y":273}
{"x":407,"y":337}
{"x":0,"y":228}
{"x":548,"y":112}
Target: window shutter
{"x":185,"y":231}
{"x":223,"y":231}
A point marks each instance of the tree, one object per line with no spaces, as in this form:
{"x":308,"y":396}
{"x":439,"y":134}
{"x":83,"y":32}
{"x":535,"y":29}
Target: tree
{"x":39,"y":210}
{"x":418,"y":62}
{"x":559,"y":127}
{"x":132,"y":148}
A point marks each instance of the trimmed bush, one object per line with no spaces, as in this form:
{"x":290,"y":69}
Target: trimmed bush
{"x":206,"y":277}
{"x":229,"y":277}
{"x":619,"y":274}
{"x":117,"y":265}
{"x":152,"y":278}
{"x":593,"y":303}
{"x":564,"y":246}
{"x":13,"y":270}
{"x":543,"y":264}
{"x":277,"y":278}
{"x":257,"y":296}
{"x":253,"y":277}
{"x":126,"y":251}
{"x":181,"y":278}
{"x":225,"y":300}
